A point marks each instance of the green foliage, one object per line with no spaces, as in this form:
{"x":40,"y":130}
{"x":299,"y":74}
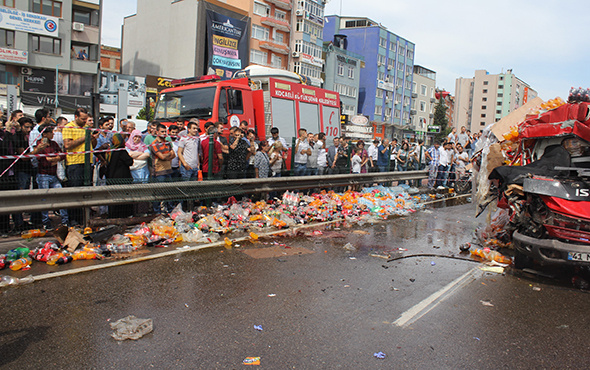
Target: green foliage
{"x":441,"y":120}
{"x":142,"y":114}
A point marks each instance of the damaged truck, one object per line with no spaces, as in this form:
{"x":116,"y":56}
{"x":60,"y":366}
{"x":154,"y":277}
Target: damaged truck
{"x":542,"y":187}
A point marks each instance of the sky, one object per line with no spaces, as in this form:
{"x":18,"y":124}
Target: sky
{"x":543,"y":42}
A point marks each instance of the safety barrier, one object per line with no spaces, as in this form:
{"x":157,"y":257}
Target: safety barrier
{"x":36,"y":200}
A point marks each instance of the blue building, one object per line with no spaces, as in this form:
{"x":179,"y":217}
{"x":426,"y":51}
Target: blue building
{"x":385,"y":91}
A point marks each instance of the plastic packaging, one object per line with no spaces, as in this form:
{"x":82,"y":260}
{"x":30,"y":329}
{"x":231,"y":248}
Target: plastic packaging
{"x":20,"y":263}
{"x":6,"y":280}
{"x":17,"y":253}
{"x":59,"y":259}
{"x":131,"y":327}
{"x":35,"y":233}
{"x":84,"y":255}
{"x":490,"y":255}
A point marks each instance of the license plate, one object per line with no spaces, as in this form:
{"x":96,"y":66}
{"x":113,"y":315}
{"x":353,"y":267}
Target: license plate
{"x":574,"y":256}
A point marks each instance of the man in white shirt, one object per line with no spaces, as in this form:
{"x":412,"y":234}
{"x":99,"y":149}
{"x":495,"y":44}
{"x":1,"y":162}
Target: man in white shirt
{"x":302,"y":150}
{"x":373,"y":153}
{"x":443,"y":165}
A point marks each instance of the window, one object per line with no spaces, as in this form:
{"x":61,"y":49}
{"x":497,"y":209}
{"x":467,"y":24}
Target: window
{"x":280,"y":15}
{"x":276,"y":61}
{"x":378,"y":110}
{"x":498,"y":111}
{"x":261,"y":9}
{"x":423,"y":90}
{"x":382,"y":42}
{"x":410,"y":54}
{"x":500,"y":95}
{"x":379,"y":94}
{"x":414,"y":86}
{"x":484,"y":107}
{"x":501,"y":78}
{"x":422,"y":106}
{"x":482,"y":123}
{"x":259,"y":57}
{"x":8,"y":3}
{"x":49,"y":45}
{"x":484,"y":99}
{"x":47,"y":7}
{"x":483,"y":115}
{"x":379,"y":129}
{"x":400,"y":66}
{"x":81,"y":17}
{"x":6,"y":38}
{"x":340,"y":70}
{"x":387,"y":112}
{"x":381,"y":76}
{"x":500,"y":87}
{"x":499,"y":103}
{"x":393,"y":46}
{"x":350,"y":72}
{"x":380,"y":59}
{"x":260,"y":33}
{"x":485,"y":83}
{"x":406,"y":101}
{"x":278,"y":37}
{"x":390,"y":63}
{"x":485,"y":91}
{"x":408,"y":70}
{"x":399,"y":82}
{"x":308,"y":48}
{"x":401,"y":51}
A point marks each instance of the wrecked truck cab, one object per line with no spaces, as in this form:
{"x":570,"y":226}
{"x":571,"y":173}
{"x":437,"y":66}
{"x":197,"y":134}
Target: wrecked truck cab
{"x":546,"y":188}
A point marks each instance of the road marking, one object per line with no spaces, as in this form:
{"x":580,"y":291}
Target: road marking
{"x":172,"y":252}
{"x":422,"y":308}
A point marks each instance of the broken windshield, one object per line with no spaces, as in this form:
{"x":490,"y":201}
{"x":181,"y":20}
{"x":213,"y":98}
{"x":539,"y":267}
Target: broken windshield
{"x":191,"y":103}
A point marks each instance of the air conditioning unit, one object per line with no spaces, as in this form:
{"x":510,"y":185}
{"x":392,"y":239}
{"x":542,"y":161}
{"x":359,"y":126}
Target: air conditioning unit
{"x":379,"y":64}
{"x":397,"y":102}
{"x":389,"y":68}
{"x":295,"y":54}
{"x":77,"y":26}
{"x":26,"y":71}
{"x":299,"y":12}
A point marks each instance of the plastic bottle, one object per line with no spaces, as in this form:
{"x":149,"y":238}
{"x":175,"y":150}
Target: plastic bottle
{"x":228,"y":243}
{"x":122,"y":248}
{"x":253,"y":235}
{"x":490,"y":255}
{"x":84,"y":255}
{"x":17,"y":253}
{"x":59,"y":259}
{"x":35,"y":233}
{"x":20,"y":263}
{"x":3,"y":262}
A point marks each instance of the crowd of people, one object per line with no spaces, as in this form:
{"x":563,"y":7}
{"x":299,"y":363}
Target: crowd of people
{"x":78,"y":154}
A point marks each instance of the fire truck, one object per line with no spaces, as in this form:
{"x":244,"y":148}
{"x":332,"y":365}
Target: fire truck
{"x":264,"y":97}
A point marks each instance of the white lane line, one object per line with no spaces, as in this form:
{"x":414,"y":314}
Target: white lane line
{"x":431,"y":302}
{"x":171,"y":252}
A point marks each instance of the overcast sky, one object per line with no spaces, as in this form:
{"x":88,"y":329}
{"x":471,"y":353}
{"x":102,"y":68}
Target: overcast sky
{"x":543,"y":42}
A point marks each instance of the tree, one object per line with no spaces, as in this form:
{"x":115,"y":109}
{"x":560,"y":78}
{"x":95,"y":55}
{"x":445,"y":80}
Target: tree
{"x":441,"y":120}
{"x":142,"y":114}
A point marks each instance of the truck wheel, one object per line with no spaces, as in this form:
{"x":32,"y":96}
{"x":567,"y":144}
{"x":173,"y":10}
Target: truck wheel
{"x":521,"y":260}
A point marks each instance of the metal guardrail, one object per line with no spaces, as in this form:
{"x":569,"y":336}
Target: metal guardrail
{"x":15,"y":201}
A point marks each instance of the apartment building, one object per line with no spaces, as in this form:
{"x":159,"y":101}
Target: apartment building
{"x":423,"y":100}
{"x":486,"y":98}
{"x":51,"y":49}
{"x":386,"y":81}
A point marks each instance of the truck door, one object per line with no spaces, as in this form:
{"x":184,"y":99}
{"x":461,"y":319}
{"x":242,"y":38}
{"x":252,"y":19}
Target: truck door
{"x":231,"y":106}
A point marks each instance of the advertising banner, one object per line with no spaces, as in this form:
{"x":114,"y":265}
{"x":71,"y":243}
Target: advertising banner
{"x":40,"y":80}
{"x":19,"y":20}
{"x":227,"y":45}
{"x":14,"y":56}
{"x":111,"y":85}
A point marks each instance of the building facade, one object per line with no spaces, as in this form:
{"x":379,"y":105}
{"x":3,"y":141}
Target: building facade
{"x":307,"y":40}
{"x":110,"y":59}
{"x":185,"y":38}
{"x":423,"y":100}
{"x":386,"y":81}
{"x":486,"y":98}
{"x":51,"y":49}
{"x":342,"y":74}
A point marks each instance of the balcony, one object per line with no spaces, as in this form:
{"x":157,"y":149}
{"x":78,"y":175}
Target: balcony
{"x":279,"y":24}
{"x":283,"y":4}
{"x":414,"y":95}
{"x":89,"y":35}
{"x":412,"y":112}
{"x":274,"y":46}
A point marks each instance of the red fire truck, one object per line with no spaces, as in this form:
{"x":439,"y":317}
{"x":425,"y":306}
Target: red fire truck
{"x":263,"y":97}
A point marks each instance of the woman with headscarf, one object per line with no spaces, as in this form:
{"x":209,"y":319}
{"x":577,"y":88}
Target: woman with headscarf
{"x":118,"y":172}
{"x":140,"y":154}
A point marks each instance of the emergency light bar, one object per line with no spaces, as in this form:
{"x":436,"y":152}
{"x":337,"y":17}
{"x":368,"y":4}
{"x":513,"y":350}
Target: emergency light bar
{"x":194,"y":80}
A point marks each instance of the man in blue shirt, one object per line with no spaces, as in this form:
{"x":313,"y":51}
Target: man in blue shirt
{"x":383,"y":155}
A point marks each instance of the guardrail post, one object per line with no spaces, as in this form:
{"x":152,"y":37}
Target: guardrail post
{"x":87,"y":161}
{"x":210,"y":164}
{"x":293,"y":143}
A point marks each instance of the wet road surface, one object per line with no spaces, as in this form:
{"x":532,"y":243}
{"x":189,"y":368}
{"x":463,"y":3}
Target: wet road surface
{"x":332,"y":308}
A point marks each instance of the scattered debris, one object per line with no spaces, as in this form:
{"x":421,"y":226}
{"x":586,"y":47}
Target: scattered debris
{"x":131,"y":327}
{"x":487,"y":303}
{"x":380,"y":355}
{"x":251,"y":361}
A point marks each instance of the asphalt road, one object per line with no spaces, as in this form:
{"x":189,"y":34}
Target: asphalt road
{"x":322,"y":309}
